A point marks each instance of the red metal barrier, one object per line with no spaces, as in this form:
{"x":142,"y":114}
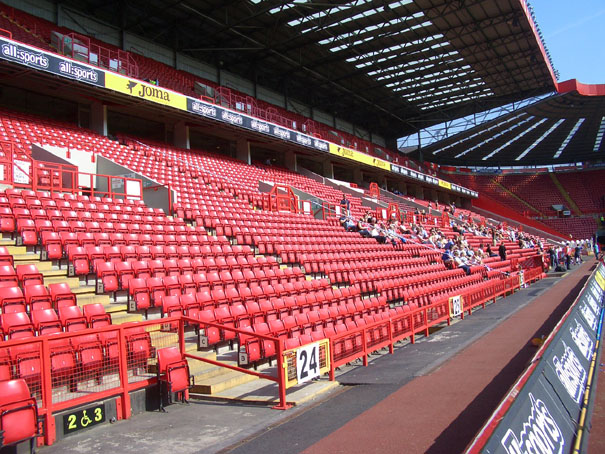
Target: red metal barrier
{"x":68,"y":370}
{"x":280,"y":379}
{"x":52,"y":177}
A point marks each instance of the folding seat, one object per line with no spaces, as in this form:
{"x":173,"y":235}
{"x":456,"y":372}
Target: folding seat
{"x":117,"y":239}
{"x":52,"y":244}
{"x":17,"y":325}
{"x":132,"y":239}
{"x":219,"y":297}
{"x":141,"y":269}
{"x":157,"y":252}
{"x":157,"y":290}
{"x":189,"y":304}
{"x":171,"y":252}
{"x":187,"y":283}
{"x":172,"y":285}
{"x":138,"y":295}
{"x":128,"y":253}
{"x":90,"y":356}
{"x":21,"y":213}
{"x":37,"y":297}
{"x":209,"y":335}
{"x":125,"y":274}
{"x":185,"y":266}
{"x":7,"y":220}
{"x":60,"y":226}
{"x":61,"y":295}
{"x":143,"y":253}
{"x":8,"y":277}
{"x":145,"y":239}
{"x":158,"y":240}
{"x":156,"y":268}
{"x":29,"y":274}
{"x":96,"y":316}
{"x":173,"y":375}
{"x":46,"y":321}
{"x":11,"y":300}
{"x":95,"y":256}
{"x":170,"y":240}
{"x":27,"y":231}
{"x":72,"y":319}
{"x":93,"y":226}
{"x":5,"y":257}
{"x":224,"y":317}
{"x":139,"y":348}
{"x":278,"y":329}
{"x":204,"y":299}
{"x":112,"y":254}
{"x":171,"y":306}
{"x":18,"y":414}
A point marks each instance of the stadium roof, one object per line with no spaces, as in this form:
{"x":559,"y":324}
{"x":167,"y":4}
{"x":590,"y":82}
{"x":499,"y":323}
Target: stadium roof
{"x":561,"y":129}
{"x":389,"y":66}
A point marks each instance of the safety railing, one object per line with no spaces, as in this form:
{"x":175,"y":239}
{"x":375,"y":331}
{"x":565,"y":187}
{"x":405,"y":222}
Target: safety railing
{"x":68,"y":370}
{"x":362,"y":341}
{"x":81,"y":48}
{"x":54,"y":177}
{"x":205,"y":329}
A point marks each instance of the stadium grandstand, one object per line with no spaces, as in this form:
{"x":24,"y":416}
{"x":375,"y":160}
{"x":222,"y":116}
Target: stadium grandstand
{"x":206,"y":217}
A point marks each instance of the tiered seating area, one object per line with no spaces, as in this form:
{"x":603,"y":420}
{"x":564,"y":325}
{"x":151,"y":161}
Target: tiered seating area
{"x":37,"y":32}
{"x":579,"y":227}
{"x":586,"y":189}
{"x":484,"y":184}
{"x":538,"y":190}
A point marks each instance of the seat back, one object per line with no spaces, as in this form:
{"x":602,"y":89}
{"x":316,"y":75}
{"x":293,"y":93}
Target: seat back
{"x":18,"y":412}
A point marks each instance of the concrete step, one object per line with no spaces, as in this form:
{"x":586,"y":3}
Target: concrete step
{"x":53,"y":272}
{"x":30,"y":257}
{"x":73,"y":282}
{"x":265,"y":392}
{"x":17,"y":250}
{"x":112,"y":308}
{"x":7,"y":242}
{"x":224,"y":379}
{"x":91,"y":298}
{"x":84,"y":289}
{"x":34,"y":260}
{"x":117,"y":318}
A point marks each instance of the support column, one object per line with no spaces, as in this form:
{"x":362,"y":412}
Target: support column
{"x":242,"y":151}
{"x":98,"y":118}
{"x":357,"y":176}
{"x":290,"y":161}
{"x":328,"y":170}
{"x":181,"y":135}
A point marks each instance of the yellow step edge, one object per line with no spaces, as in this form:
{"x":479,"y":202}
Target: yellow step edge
{"x":222,"y":382}
{"x":83,"y":300}
{"x":29,"y":257}
{"x":125,"y":317}
{"x":73,"y":282}
{"x":16,"y":250}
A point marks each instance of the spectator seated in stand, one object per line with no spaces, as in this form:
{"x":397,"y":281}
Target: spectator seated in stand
{"x":348,"y":224}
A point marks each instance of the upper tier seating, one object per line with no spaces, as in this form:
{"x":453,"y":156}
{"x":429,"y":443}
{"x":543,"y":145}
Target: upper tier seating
{"x":586,"y":189}
{"x":37,"y":32}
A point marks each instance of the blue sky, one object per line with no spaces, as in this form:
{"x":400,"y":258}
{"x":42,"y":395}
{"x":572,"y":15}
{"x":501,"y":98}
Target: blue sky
{"x":574,"y":33}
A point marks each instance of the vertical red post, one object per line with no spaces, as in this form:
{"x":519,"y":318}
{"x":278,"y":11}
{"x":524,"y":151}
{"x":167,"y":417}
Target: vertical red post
{"x":47,"y":394}
{"x":182,"y":335}
{"x":332,"y":368}
{"x":123,"y":368}
{"x":365,"y":347}
{"x":426,"y":322}
{"x":281,"y":376}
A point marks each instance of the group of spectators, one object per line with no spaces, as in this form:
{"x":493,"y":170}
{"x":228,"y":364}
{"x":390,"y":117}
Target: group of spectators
{"x":568,"y":254}
{"x":456,"y":252}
